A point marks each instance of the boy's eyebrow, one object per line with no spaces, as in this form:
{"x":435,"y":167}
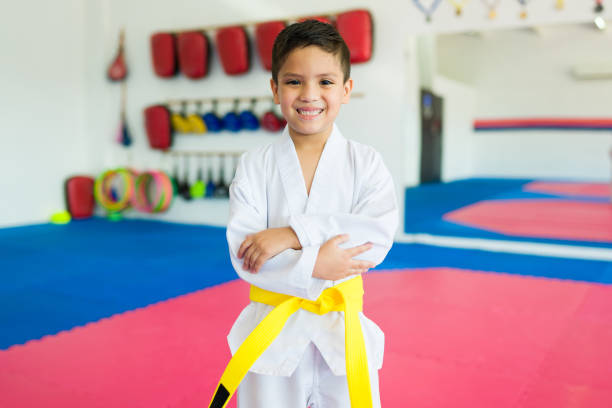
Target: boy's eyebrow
{"x":327,"y":74}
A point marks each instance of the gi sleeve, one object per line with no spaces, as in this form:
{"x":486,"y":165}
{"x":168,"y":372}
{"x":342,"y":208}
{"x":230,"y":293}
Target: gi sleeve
{"x":374,"y":217}
{"x":289,"y":272}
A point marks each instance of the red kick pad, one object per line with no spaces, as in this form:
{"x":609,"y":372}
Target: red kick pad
{"x":554,"y":219}
{"x":233,"y":48}
{"x":454,"y":338}
{"x":157,"y":125}
{"x":322,"y":19}
{"x":356,"y":29}
{"x":163,"y":54}
{"x":193,"y":54}
{"x":265,"y":34}
{"x":569,"y":189}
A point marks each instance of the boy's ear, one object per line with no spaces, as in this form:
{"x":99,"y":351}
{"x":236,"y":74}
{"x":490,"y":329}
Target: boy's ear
{"x":348,"y":87}
{"x":274,"y":87}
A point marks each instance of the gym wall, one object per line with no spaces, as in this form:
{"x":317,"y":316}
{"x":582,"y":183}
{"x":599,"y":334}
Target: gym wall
{"x":57,"y":69}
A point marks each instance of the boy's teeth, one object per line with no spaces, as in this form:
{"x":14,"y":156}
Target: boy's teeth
{"x":309,"y":112}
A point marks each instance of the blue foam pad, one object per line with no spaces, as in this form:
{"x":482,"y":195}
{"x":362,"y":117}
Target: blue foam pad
{"x":427,"y":204}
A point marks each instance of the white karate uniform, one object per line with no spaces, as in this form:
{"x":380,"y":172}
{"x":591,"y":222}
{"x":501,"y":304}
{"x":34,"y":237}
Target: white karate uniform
{"x":352,"y":193}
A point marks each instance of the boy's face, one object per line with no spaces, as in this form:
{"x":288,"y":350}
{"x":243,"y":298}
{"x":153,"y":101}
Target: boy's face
{"x":310,"y":90}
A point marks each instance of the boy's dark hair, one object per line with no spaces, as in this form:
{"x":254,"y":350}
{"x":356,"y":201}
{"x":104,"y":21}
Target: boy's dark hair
{"x":304,"y":34}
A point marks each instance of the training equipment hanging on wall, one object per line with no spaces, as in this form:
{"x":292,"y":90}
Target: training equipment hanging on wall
{"x":175,"y":177}
{"x":195,"y":121}
{"x":271,"y":121}
{"x":221,"y":188}
{"x":123,"y":135}
{"x":428,"y":11}
{"x":193,"y":54}
{"x":79,"y":196}
{"x":248,"y":120}
{"x":235,"y":158}
{"x":179,"y":120}
{"x":265,"y":34}
{"x":158,"y":128}
{"x":198,"y":189}
{"x":163,"y":54}
{"x":231,"y":121}
{"x":117,"y":70}
{"x":213,"y":122}
{"x":322,"y":19}
{"x":210,"y":183}
{"x":233,"y":48}
{"x":185,"y":187}
{"x":356,"y":29}
{"x":189,"y":51}
{"x":599,"y":8}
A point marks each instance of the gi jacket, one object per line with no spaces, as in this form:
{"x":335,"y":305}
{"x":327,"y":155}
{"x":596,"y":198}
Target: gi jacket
{"x":352,"y":193}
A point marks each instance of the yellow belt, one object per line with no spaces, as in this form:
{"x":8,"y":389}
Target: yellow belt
{"x":346,"y":297}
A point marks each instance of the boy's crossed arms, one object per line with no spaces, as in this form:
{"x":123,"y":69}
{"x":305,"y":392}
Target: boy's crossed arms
{"x":332,"y":263}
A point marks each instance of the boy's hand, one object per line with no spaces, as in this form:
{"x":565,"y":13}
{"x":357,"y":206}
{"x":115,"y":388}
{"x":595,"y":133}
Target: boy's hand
{"x":258,"y":248}
{"x":335,"y":263}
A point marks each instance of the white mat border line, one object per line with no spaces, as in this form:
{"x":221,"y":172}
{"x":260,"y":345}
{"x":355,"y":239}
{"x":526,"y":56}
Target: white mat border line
{"x":514,"y":247}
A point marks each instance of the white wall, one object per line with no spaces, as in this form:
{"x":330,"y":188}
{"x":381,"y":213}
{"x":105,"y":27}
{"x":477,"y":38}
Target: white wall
{"x":457,"y":133}
{"x":380,"y":118}
{"x":526,"y":73}
{"x":41,"y":106}
{"x":76,"y":108}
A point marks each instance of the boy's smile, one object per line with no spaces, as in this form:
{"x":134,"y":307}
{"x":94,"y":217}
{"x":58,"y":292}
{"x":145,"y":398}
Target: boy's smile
{"x":310,"y":90}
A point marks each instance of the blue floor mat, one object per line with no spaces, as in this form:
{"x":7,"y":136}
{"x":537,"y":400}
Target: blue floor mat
{"x":53,"y":278}
{"x":56,"y":277}
{"x":427,"y":204}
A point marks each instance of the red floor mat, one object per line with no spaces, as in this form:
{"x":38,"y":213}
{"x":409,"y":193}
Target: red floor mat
{"x":570,"y":189}
{"x":556,"y":219}
{"x":453,"y":339}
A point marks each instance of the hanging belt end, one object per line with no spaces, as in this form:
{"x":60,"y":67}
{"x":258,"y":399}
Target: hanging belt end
{"x":221,"y":397}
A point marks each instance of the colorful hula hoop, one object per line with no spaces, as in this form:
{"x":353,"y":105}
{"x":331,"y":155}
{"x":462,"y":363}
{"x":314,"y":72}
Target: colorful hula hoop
{"x":162,"y":192}
{"x":103,"y":191}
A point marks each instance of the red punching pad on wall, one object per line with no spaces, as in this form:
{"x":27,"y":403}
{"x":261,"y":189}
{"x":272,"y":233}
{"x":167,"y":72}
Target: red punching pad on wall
{"x":163,"y":54}
{"x":356,"y":29}
{"x":193,"y":54}
{"x":233,"y":48}
{"x":157,"y":125}
{"x":79,"y":196}
{"x":265,"y":34}
{"x":322,"y":19}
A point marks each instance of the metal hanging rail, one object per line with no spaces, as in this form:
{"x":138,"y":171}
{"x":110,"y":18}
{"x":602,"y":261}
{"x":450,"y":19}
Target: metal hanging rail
{"x":234,"y":99}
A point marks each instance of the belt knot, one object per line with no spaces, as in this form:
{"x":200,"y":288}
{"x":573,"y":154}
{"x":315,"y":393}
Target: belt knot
{"x":326,"y":303}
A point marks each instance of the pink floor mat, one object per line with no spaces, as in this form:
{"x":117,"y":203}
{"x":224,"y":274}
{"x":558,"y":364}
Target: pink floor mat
{"x":540,"y":218}
{"x":454,"y":338}
{"x":570,"y":189}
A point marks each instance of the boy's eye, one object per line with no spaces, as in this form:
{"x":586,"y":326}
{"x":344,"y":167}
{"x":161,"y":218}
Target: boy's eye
{"x":292,"y":82}
{"x":326,"y":82}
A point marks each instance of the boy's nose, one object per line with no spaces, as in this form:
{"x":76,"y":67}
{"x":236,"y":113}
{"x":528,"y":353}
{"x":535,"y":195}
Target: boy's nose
{"x":309,"y":93}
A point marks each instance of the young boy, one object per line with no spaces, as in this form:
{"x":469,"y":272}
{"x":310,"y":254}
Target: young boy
{"x":308,"y":215}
